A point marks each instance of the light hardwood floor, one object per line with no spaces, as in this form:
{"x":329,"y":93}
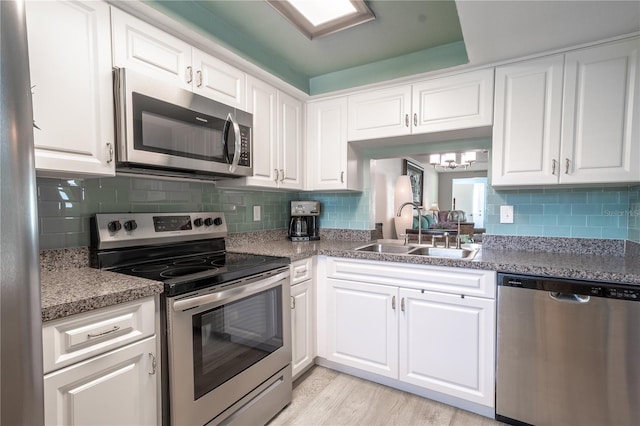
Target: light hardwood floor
{"x":326,"y":397}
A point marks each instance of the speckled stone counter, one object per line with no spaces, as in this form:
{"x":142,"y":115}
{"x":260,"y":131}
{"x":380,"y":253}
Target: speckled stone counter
{"x":69,"y":286}
{"x":621,"y":268}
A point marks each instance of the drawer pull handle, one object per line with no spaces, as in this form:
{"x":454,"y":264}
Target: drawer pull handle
{"x":103,"y":333}
{"x":402,"y":304}
{"x":154,"y":364}
{"x":393,"y":303}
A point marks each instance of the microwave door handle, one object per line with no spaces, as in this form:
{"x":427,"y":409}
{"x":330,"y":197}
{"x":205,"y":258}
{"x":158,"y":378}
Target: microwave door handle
{"x":236,"y":131}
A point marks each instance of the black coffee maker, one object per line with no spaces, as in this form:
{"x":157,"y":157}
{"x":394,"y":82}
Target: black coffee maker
{"x":304,"y":222}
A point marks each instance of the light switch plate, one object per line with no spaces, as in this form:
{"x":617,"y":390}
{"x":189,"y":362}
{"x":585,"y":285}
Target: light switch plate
{"x":256,"y":213}
{"x":506,"y":214}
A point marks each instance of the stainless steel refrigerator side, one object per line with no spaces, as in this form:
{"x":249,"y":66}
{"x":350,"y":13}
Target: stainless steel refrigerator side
{"x":21,"y":373}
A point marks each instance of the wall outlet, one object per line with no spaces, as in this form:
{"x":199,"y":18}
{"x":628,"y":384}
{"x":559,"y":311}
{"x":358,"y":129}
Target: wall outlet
{"x":506,"y":214}
{"x":256,"y":213}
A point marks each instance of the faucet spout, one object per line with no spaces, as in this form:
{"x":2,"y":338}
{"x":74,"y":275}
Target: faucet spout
{"x":418,"y":208}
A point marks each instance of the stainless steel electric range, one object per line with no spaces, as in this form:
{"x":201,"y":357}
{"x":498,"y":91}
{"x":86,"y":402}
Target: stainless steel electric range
{"x":226,"y":336}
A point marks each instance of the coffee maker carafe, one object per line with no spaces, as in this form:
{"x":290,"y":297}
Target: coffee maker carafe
{"x":304,"y":223}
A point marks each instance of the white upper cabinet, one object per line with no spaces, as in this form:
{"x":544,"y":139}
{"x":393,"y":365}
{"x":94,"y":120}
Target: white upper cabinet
{"x":70,"y":67}
{"x":277,"y":145}
{"x":526,"y":129}
{"x":447,"y":103}
{"x":140,"y":46}
{"x":290,"y":142}
{"x":601,"y":115}
{"x":331,"y":161}
{"x":380,"y":113}
{"x":461,"y":101}
{"x":580,"y":130}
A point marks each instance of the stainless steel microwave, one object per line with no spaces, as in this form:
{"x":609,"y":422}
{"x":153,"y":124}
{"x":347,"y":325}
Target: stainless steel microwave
{"x":163,"y":130}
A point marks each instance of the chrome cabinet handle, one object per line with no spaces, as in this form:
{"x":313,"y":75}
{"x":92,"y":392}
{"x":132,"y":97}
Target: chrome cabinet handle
{"x":293,"y":302}
{"x":406,"y":120}
{"x":190,"y":72}
{"x":277,"y":174}
{"x":341,"y":177}
{"x":402,"y":304}
{"x":393,"y":302}
{"x":103,"y":333}
{"x":281,"y":175}
{"x":566,"y":167}
{"x":415,"y":119}
{"x":199,"y":74}
{"x":553,"y":166}
{"x":154,"y":364}
{"x":110,"y":146}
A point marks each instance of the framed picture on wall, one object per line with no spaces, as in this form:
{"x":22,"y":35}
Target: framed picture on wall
{"x":416,"y":176}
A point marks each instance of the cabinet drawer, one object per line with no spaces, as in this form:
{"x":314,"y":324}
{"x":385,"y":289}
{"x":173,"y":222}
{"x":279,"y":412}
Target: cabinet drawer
{"x":301,"y":270}
{"x":78,"y":337}
{"x":470,"y":282}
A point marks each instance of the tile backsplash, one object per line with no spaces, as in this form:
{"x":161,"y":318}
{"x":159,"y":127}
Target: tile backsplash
{"x":65,"y":206}
{"x":634,"y":214}
{"x":566,"y":212}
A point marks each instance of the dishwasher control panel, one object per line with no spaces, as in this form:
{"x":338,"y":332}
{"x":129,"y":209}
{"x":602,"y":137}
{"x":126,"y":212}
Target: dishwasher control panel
{"x":570,"y":286}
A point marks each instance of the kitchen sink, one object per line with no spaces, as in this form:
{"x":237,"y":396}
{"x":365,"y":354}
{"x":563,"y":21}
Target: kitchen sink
{"x":451,"y":253}
{"x":420,"y":250}
{"x":386,"y":248}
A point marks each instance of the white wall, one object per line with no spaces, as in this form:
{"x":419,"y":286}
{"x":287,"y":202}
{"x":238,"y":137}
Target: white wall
{"x":444,"y":186}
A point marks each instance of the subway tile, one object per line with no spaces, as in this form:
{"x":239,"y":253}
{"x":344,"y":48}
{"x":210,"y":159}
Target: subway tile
{"x":557,"y":209}
{"x":52,"y":225}
{"x":556,"y":231}
{"x":586,"y":232}
{"x":608,"y":221}
{"x":532,"y":230}
{"x":614,"y":233}
{"x":586,"y":209}
{"x":574,"y":220}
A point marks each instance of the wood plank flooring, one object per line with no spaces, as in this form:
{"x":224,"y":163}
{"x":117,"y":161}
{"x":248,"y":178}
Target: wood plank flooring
{"x":326,"y":397}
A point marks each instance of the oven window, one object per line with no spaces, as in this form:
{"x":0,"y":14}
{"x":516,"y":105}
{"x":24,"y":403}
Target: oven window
{"x":231,"y":338}
{"x":173,"y":130}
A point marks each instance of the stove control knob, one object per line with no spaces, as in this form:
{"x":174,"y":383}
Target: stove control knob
{"x":197,"y":222}
{"x":114,"y":226}
{"x":208,"y":221}
{"x":130,"y":225}
{"x":217,"y":221}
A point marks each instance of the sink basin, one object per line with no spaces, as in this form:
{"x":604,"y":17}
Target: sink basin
{"x":386,"y":248}
{"x":412,"y":249}
{"x":451,"y":253}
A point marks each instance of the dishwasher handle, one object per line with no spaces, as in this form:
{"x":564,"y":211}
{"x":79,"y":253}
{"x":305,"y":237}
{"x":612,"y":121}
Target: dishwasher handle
{"x":569,"y":297}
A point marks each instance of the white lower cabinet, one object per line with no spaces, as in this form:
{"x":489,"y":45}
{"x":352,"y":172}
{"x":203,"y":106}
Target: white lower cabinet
{"x":303,"y":317}
{"x":420,"y":327}
{"x":102,"y":367}
{"x":362,"y":326}
{"x":117,"y":388}
{"x":446,"y":342}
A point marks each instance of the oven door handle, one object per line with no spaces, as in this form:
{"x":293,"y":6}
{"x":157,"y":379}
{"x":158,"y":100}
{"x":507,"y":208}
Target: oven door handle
{"x":229,"y":295}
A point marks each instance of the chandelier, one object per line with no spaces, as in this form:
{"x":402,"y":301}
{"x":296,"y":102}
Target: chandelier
{"x":452,"y":160}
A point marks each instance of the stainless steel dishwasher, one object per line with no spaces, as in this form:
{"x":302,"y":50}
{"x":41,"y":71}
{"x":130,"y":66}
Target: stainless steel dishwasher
{"x":568,"y":352}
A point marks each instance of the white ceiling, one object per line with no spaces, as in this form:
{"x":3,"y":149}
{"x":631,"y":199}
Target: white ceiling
{"x":497,"y":30}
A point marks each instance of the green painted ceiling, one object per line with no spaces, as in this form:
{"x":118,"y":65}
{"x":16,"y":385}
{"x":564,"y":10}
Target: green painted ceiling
{"x":407,"y":37}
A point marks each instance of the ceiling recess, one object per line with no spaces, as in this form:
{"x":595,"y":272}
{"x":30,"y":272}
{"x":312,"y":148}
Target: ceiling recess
{"x":316,"y":19}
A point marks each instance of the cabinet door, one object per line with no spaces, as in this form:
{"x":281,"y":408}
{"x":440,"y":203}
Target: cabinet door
{"x":601,"y":115}
{"x":72,"y":88}
{"x":302,"y":331}
{"x":219,"y":81}
{"x":327,"y":144}
{"x":117,"y":388}
{"x":380,"y":113}
{"x":262,"y":104}
{"x":290,"y":144}
{"x":143,"y":47}
{"x":447,"y":344}
{"x":526,"y":130}
{"x":362,"y":326}
{"x":458,"y":102}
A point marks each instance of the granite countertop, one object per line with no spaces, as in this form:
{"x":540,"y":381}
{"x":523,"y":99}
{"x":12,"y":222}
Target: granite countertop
{"x":614,"y":268}
{"x":69,"y":286}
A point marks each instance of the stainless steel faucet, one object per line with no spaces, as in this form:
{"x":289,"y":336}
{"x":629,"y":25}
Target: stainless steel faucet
{"x":418,"y":208}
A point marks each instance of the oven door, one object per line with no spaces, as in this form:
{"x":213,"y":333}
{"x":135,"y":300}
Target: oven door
{"x":224,"y":343}
{"x":164,"y":127}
